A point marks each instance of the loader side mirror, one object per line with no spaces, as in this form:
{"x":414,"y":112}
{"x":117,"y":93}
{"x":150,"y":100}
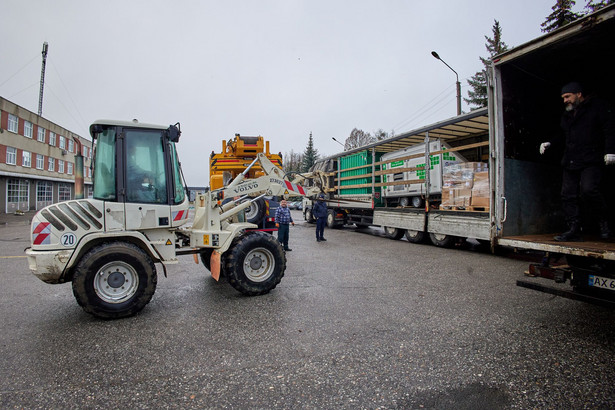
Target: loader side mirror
{"x":173,"y":132}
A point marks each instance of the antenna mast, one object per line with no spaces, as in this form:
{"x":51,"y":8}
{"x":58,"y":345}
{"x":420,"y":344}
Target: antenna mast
{"x":40,"y":94}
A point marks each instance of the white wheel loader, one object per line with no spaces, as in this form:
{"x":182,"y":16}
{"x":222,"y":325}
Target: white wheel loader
{"x":108,"y":246}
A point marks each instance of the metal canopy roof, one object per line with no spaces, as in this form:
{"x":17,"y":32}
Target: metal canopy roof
{"x":473,"y":124}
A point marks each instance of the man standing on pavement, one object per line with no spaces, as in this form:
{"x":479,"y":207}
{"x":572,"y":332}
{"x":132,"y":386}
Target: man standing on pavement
{"x":283,"y":219}
{"x":320,"y":213}
{"x":589,"y":143}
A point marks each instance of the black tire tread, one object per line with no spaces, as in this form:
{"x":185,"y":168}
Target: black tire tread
{"x":85,"y":294}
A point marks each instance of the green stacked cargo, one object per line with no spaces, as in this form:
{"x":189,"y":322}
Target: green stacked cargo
{"x":356,"y":177}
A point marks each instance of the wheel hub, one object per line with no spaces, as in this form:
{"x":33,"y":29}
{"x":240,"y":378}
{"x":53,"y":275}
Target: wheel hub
{"x":116,"y":279}
{"x":116,"y":282}
{"x":256,"y":263}
{"x":259,"y":264}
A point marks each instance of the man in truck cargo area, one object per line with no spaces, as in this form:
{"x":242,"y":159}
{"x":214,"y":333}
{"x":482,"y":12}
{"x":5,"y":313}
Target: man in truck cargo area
{"x":283,"y":219}
{"x":588,"y":135}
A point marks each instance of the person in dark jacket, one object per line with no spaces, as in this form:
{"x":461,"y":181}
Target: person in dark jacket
{"x":320,"y":213}
{"x":588,"y":133}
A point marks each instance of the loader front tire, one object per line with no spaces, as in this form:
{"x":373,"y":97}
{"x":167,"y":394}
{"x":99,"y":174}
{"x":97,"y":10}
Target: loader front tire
{"x":255,"y":263}
{"x":114,"y":280}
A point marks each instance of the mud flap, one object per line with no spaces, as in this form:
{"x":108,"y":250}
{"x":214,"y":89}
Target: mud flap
{"x":215,"y":265}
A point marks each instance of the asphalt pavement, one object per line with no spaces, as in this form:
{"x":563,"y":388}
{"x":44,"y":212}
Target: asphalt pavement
{"x":358,"y":322}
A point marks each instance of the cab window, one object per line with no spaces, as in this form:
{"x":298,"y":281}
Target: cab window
{"x":145,"y":178}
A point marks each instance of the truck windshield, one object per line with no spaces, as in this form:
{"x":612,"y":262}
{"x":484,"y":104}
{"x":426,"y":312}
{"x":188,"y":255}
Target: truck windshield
{"x":104,"y":166}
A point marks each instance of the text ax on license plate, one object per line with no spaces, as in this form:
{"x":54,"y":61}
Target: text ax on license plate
{"x":600,"y":282}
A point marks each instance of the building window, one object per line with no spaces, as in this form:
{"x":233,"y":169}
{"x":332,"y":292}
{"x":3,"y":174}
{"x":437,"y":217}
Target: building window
{"x":69,"y":168}
{"x":26,"y":159}
{"x":11,"y":155}
{"x":13,"y":123}
{"x":27,"y":129}
{"x":63,"y":192}
{"x":17,"y":193}
{"x":44,"y":193}
{"x":84,"y":151}
{"x":51,"y":164}
{"x":40,"y":161}
{"x":62,"y":142}
{"x":41,"y":134}
{"x":70,"y":145}
{"x":52,"y":138}
{"x":61,"y":166}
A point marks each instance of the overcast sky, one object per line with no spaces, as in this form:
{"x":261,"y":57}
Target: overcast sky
{"x":276,"y":68}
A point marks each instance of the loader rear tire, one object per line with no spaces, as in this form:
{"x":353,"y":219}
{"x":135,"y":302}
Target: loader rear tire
{"x":206,"y":258}
{"x":255,"y":263}
{"x":114,"y":280}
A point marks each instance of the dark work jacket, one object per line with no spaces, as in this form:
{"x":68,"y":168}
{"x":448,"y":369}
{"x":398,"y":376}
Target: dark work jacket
{"x":320,"y":209}
{"x":588,"y":134}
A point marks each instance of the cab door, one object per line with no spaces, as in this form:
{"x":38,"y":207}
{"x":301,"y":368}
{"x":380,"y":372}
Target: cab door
{"x":146,"y":185}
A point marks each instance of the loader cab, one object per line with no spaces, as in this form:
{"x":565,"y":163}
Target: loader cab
{"x":137,"y":175}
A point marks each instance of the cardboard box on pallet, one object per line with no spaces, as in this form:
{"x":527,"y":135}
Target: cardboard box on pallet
{"x":458,"y":185}
{"x":463,"y":197}
{"x":456,"y":197}
{"x":480,"y":189}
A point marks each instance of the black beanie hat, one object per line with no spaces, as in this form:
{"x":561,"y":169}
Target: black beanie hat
{"x":573,"y":88}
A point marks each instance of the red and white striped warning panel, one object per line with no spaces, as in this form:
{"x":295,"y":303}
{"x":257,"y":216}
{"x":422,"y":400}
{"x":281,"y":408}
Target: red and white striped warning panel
{"x":41,"y":234}
{"x":294,"y":187}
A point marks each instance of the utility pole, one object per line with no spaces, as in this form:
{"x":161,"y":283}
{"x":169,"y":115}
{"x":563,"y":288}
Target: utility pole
{"x":40,"y":94}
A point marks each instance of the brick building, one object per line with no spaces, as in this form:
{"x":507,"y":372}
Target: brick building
{"x":37,"y":160}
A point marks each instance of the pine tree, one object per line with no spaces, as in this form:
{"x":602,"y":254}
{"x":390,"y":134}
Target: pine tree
{"x":310,"y":155}
{"x":477,"y":94}
{"x":561,"y":16}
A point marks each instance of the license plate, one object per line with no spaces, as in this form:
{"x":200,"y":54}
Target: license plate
{"x":600,"y":282}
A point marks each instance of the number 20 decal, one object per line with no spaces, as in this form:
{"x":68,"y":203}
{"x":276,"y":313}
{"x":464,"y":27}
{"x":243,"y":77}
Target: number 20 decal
{"x":68,"y":239}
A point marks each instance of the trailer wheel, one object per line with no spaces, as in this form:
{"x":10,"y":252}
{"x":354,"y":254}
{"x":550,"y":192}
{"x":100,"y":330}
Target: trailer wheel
{"x":255,"y":263}
{"x":308,"y":215}
{"x":415,"y":236}
{"x":256,"y":211}
{"x":443,"y":241}
{"x":114,"y":280}
{"x":393,"y":233}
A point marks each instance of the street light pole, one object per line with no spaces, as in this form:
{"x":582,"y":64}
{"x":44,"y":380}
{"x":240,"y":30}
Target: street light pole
{"x":457,"y":83}
{"x":333,"y":138}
